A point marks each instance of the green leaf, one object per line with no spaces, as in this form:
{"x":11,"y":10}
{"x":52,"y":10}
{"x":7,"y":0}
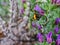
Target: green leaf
{"x":53,"y":43}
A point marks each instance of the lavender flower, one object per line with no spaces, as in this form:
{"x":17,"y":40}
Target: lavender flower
{"x":57,"y":21}
{"x":49,"y":37}
{"x":57,"y":2}
{"x":38,"y":9}
{"x":58,"y":40}
{"x":22,"y":10}
{"x":40,"y":37}
{"x":33,"y":24}
{"x":56,"y":29}
{"x":23,"y":1}
{"x":53,"y":1}
{"x":39,"y":27}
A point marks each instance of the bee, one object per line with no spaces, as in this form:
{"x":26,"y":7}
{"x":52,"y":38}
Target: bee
{"x":36,"y":16}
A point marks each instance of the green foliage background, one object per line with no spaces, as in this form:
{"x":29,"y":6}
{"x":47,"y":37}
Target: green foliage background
{"x":52,"y":12}
{"x":4,"y":9}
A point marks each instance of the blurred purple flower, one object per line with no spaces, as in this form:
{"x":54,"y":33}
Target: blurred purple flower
{"x":53,"y":1}
{"x":57,"y":21}
{"x":38,"y":9}
{"x":57,"y":2}
{"x":23,"y":1}
{"x":22,"y":10}
{"x":40,"y":37}
{"x":58,"y":40}
{"x":33,"y":24}
{"x":49,"y":37}
{"x":39,"y":27}
{"x":56,"y":29}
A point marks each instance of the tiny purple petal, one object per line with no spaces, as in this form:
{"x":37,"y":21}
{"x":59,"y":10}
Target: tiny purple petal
{"x":22,"y":10}
{"x":38,"y":9}
{"x":57,"y":21}
{"x":40,"y":37}
{"x":49,"y":37}
{"x":23,"y":1}
{"x":42,"y":12}
{"x":56,"y":29}
{"x":58,"y":40}
{"x":53,"y":1}
{"x":58,"y":2}
{"x":49,"y":34}
{"x":39,"y":27}
{"x":33,"y":24}
{"x":49,"y":40}
{"x":58,"y":37}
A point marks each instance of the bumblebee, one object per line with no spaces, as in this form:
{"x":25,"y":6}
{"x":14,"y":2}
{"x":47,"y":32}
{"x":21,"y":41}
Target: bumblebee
{"x":36,"y":17}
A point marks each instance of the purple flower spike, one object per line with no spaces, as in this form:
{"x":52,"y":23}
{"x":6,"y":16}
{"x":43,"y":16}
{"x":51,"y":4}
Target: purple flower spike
{"x":58,"y":40}
{"x":38,"y":9}
{"x":22,"y":10}
{"x":39,"y":27}
{"x":40,"y":37}
{"x":57,"y":2}
{"x":41,"y":12}
{"x":57,"y":21}
{"x":49,"y":37}
{"x":33,"y":24}
{"x":53,"y":1}
{"x":56,"y":29}
{"x":23,"y":1}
